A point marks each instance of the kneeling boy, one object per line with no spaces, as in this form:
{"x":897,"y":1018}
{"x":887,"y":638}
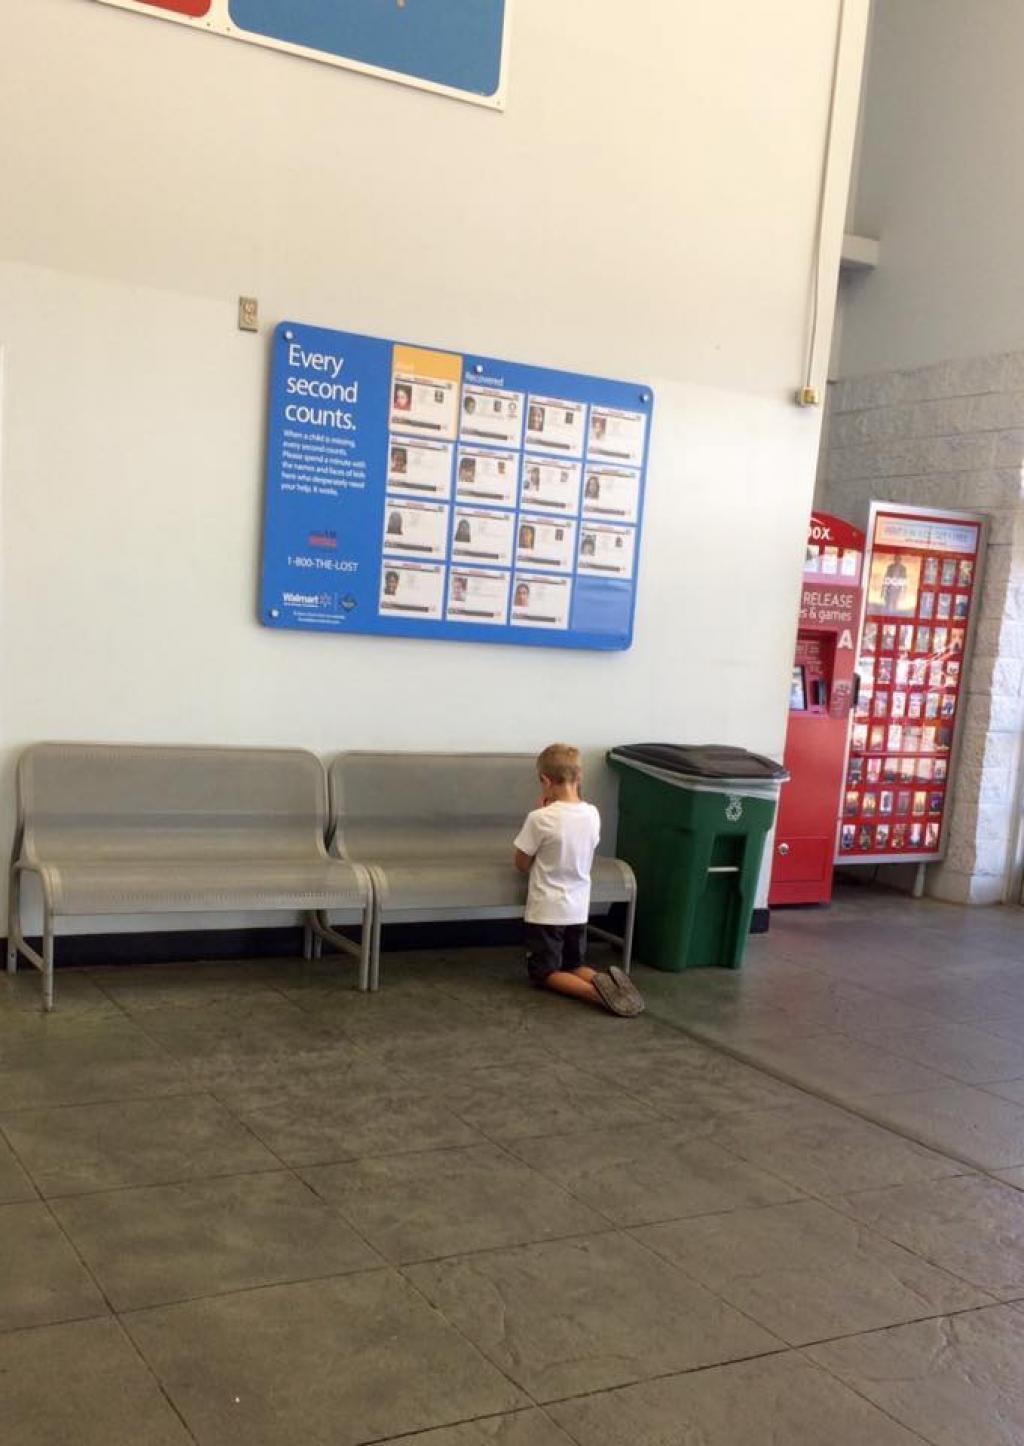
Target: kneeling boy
{"x":555,"y":847}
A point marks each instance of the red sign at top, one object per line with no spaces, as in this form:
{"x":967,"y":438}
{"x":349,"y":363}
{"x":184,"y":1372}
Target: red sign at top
{"x":834,"y":548}
{"x":829,"y":531}
{"x":195,"y":8}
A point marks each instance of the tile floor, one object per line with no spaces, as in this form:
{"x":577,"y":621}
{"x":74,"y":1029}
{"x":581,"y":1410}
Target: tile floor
{"x":244,"y":1204}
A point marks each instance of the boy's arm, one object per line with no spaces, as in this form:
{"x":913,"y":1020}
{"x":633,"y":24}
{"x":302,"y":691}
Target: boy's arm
{"x":526,"y":843}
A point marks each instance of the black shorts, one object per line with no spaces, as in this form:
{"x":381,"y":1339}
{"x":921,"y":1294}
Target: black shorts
{"x":551,"y":947}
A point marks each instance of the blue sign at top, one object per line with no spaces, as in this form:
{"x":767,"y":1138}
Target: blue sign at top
{"x":452,"y":43}
{"x":422,"y":493}
{"x":453,"y":47}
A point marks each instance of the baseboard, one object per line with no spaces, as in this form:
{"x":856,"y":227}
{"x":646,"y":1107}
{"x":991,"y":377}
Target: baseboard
{"x":760,"y":921}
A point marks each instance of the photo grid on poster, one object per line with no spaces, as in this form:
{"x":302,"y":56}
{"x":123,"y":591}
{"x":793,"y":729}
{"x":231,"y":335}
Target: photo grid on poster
{"x":500,"y":501}
{"x":919,"y":601}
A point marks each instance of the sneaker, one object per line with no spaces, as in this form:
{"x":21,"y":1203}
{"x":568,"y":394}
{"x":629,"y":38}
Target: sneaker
{"x":627,"y":987}
{"x":615,"y":999}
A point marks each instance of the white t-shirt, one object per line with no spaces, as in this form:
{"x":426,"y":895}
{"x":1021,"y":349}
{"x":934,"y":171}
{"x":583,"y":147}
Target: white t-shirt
{"x":561,"y":839}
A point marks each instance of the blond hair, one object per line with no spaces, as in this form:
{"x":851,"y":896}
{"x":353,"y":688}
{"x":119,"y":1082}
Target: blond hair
{"x":560,"y":762}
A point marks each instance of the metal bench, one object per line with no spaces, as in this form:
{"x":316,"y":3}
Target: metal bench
{"x":435,"y":832}
{"x":136,"y":830}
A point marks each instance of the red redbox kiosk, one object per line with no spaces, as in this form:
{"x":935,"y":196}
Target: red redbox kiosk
{"x":820,"y":702}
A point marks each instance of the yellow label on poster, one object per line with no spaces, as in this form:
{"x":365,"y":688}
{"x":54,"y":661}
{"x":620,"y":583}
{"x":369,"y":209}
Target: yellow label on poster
{"x":425,"y":388}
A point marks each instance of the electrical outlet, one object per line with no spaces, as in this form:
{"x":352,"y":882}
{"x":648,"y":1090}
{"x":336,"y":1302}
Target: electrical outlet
{"x":248,"y":313}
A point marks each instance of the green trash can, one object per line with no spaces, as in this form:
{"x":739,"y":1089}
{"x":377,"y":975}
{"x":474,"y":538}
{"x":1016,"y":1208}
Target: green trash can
{"x":692,"y":823}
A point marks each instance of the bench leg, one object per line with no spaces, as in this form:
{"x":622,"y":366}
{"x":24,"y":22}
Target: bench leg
{"x":13,"y":920}
{"x":374,"y":979}
{"x":624,"y":940}
{"x":307,"y":940}
{"x":366,"y":944}
{"x":47,"y":962}
{"x":627,"y":935}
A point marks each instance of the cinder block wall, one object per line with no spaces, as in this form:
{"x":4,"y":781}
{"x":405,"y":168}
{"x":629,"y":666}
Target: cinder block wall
{"x":952,"y":435}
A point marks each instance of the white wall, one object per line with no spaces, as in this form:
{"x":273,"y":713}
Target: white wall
{"x":940,"y":184}
{"x":645,"y":209}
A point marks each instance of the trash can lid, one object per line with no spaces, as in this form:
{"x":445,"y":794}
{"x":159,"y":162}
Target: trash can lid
{"x":701,"y":760}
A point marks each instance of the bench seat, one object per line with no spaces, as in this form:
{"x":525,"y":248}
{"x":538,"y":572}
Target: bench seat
{"x":436,"y":830}
{"x":174,"y":886}
{"x":110,"y":829}
{"x":452,"y":886}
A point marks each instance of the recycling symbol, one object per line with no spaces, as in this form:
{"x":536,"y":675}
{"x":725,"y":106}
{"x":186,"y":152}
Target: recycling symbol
{"x":734,"y":808}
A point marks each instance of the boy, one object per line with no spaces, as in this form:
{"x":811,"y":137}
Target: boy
{"x":555,"y":847}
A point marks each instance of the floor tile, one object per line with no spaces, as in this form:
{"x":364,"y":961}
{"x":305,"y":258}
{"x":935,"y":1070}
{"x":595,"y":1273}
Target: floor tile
{"x":840,"y":1009}
{"x":387,"y":1024}
{"x":733,"y":1028}
{"x":827,"y":1151}
{"x":807,"y":1273}
{"x":665,"y":1046}
{"x":253,"y":1079}
{"x":246,"y":1027}
{"x":142,"y":1142}
{"x":963,"y":998}
{"x":779,"y":1399}
{"x":524,"y":1428}
{"x":56,"y":1061}
{"x":311,"y":1124}
{"x":838,"y":1067}
{"x":961,"y":1051}
{"x":174,"y":1242}
{"x":971,"y":1225}
{"x":702,"y":1088}
{"x":955,"y":1381}
{"x":183,"y":986}
{"x":582,"y":1034}
{"x":585,"y":1315}
{"x":82,"y":1385}
{"x":43,"y":1279}
{"x":966,"y":1122}
{"x":331,"y":1363}
{"x":14,"y":1183}
{"x":486,"y":989}
{"x":78,"y":998}
{"x":1008,"y":1024}
{"x":250,"y":1082}
{"x":437,"y":1203}
{"x":511,"y":1102}
{"x":447,"y":1059}
{"x":1008,"y":1089}
{"x":659,"y":1172}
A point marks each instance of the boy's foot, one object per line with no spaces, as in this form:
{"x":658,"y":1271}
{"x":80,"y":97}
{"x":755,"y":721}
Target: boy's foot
{"x":615,"y":999}
{"x":627,"y":987}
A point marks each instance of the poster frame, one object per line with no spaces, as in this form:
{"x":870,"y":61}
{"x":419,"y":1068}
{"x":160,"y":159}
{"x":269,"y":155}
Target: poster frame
{"x":364,"y":552}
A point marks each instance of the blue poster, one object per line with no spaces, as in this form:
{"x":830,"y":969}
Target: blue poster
{"x":454,"y":43}
{"x":455,"y":47}
{"x":420,"y":493}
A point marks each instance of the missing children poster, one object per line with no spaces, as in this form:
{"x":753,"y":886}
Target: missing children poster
{"x":413,"y":492}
